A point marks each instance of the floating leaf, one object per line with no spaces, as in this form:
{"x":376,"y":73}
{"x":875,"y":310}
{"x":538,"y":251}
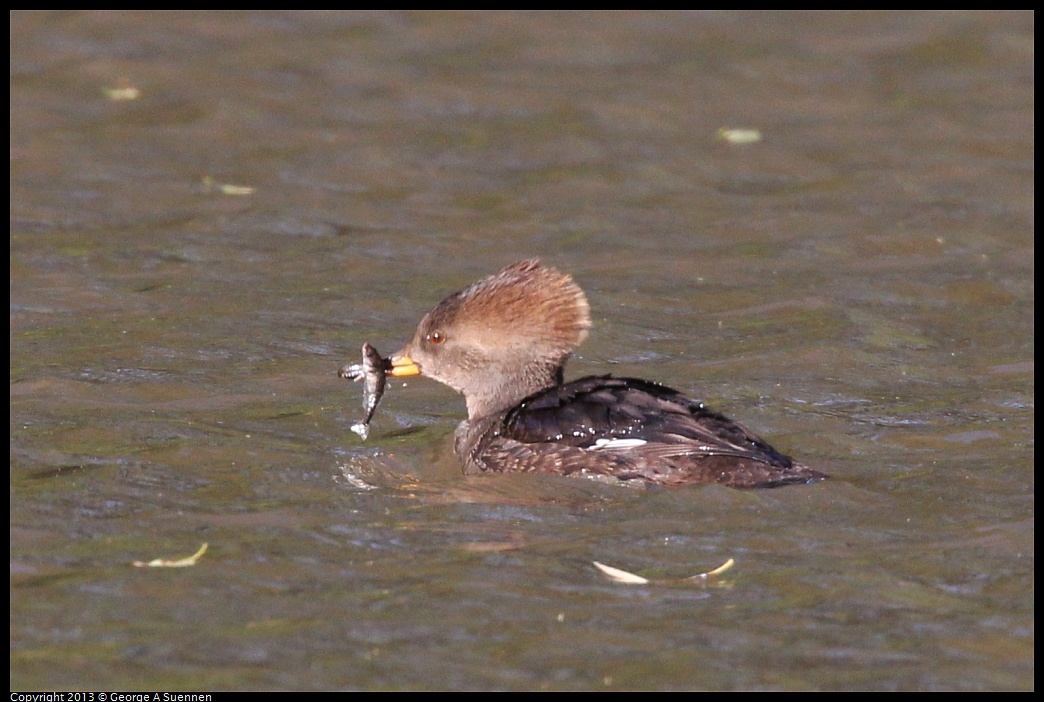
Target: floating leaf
{"x":122,"y":93}
{"x":620,"y":576}
{"x":179,"y":563}
{"x":727,"y":565}
{"x":739,"y":136}
{"x":227,"y":188}
{"x":623,"y":576}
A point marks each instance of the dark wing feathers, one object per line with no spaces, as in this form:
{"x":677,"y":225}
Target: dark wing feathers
{"x":581,"y":412}
{"x":557,"y":431}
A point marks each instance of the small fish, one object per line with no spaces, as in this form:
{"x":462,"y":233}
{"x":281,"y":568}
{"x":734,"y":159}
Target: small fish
{"x":372,"y":370}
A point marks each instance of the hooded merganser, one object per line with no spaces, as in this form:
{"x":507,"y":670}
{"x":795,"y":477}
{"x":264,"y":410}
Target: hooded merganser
{"x":502,"y":343}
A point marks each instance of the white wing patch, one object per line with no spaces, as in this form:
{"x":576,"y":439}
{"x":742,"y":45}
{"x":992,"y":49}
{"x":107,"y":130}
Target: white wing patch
{"x":618,"y":443}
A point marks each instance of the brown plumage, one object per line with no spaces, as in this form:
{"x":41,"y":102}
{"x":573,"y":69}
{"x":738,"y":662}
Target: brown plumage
{"x":502,"y":343}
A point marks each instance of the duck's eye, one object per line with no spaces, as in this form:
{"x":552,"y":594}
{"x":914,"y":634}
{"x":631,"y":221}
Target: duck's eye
{"x":436,"y":337}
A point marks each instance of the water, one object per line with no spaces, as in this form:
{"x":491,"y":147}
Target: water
{"x":190,"y":268}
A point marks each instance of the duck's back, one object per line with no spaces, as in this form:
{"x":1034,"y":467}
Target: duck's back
{"x":627,"y":429}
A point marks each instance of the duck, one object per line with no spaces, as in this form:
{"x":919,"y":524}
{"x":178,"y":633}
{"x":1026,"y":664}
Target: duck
{"x":503,"y":342}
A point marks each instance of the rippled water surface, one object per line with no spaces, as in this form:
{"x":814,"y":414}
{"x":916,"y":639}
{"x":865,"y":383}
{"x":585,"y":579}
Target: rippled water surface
{"x":210,"y":212}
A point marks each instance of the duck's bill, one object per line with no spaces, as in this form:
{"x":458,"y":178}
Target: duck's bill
{"x":400,"y":366}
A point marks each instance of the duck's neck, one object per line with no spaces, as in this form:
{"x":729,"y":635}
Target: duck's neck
{"x":511,"y":391}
